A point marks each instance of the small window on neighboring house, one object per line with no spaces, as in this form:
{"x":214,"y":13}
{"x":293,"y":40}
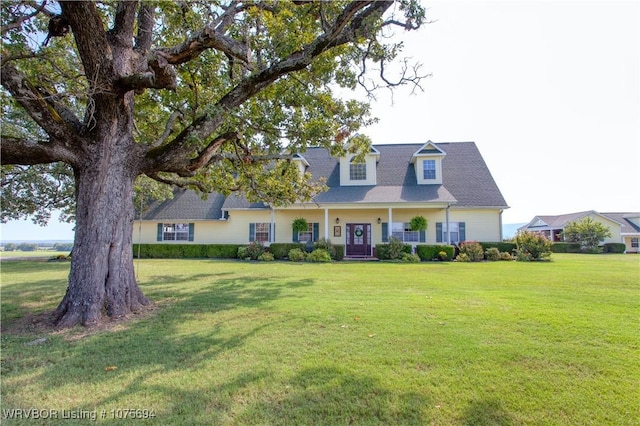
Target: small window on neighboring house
{"x":357,"y":171}
{"x":635,"y":242}
{"x":175,"y":231}
{"x":259,"y":232}
{"x":429,"y":169}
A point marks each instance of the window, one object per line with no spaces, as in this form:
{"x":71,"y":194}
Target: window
{"x":634,"y":242}
{"x":403,"y":232}
{"x":429,"y":169}
{"x":175,"y":232}
{"x":456,"y":234}
{"x":358,"y":171}
{"x":260,"y":232}
{"x":307,"y":235}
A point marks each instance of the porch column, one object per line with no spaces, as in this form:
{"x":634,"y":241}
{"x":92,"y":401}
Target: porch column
{"x":326,"y":223}
{"x":448,"y":227}
{"x":272,"y":228}
{"x":390,"y":227}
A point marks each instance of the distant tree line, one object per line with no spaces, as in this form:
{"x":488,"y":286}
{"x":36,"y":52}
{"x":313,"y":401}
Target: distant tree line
{"x":36,"y":246}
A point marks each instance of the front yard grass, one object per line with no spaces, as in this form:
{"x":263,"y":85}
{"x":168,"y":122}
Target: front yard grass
{"x":277,"y":343}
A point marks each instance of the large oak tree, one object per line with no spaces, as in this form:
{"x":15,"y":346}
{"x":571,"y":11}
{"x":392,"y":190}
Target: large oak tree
{"x":202,"y":94}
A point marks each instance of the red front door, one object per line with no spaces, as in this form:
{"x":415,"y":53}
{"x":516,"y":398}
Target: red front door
{"x":358,"y":239}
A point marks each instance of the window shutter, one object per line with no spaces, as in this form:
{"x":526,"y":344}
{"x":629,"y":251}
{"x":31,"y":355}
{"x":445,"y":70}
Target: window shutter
{"x":461,"y":228}
{"x":191,"y":231}
{"x":423,"y":236}
{"x":316,"y":231}
{"x":438,"y":232}
{"x":159,"y":236}
{"x":385,"y":232}
{"x":295,"y":238}
{"x":272,"y":238}
{"x":252,"y":232}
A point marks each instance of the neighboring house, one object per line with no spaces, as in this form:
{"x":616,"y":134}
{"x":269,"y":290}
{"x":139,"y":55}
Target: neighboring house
{"x":624,"y":227}
{"x":366,"y":203}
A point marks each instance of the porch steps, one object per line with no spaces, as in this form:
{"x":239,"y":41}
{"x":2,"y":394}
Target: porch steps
{"x":360,"y":258}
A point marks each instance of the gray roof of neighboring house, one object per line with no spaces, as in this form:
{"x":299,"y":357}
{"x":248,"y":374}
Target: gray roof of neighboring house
{"x":560,"y":221}
{"x":466,"y":182}
{"x":628,"y":227}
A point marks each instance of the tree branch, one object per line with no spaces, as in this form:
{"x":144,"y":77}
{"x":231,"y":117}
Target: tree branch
{"x":35,"y":104}
{"x":205,"y":156}
{"x":17,"y":23}
{"x":28,"y":152}
{"x":146,"y":19}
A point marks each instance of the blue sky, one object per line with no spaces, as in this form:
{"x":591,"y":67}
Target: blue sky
{"x":548,"y":90}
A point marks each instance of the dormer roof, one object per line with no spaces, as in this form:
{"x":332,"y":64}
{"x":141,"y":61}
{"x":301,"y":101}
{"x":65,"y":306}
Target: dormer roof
{"x":429,"y":149}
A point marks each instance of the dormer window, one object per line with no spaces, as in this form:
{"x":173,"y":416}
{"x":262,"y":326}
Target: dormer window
{"x":357,"y":171}
{"x":429,"y":169}
{"x":427,"y":162}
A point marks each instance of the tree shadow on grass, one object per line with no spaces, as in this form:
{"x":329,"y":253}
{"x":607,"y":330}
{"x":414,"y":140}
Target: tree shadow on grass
{"x":190,"y":329}
{"x":487,"y":412}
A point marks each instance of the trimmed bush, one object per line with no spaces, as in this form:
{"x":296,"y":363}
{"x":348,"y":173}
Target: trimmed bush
{"x":177,"y":251}
{"x":339,"y":253}
{"x":614,"y":248}
{"x":505,"y":256}
{"x":319,"y":255}
{"x":432,"y":252}
{"x":501,"y":246}
{"x":221,"y":251}
{"x":281,"y":250}
{"x":254,"y":250}
{"x":565,"y":248}
{"x":384,"y":251}
{"x":473,"y":250}
{"x":297,"y":255}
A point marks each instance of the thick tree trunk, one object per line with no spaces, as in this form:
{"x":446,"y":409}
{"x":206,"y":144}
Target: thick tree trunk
{"x":102,"y":280}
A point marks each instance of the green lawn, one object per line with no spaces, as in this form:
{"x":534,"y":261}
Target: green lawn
{"x":274,"y":343}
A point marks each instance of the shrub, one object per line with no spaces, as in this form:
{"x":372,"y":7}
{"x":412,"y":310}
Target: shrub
{"x":326,"y":245}
{"x":255,"y":249}
{"x":473,"y":250}
{"x":395,"y":248}
{"x":221,"y":251}
{"x":532,"y":246}
{"x":432,"y":252}
{"x":28,"y":247}
{"x":565,"y":248}
{"x":492,"y":254}
{"x":339,"y":252}
{"x":297,"y":255}
{"x":10,"y":247}
{"x":281,"y":250}
{"x":62,"y":246}
{"x":507,"y":246}
{"x":614,"y":248}
{"x":505,"y":256}
{"x":319,"y":255}
{"x":266,"y":257}
{"x":243,"y":253}
{"x":463,"y":257}
{"x":410,"y":258}
{"x":443,"y":255}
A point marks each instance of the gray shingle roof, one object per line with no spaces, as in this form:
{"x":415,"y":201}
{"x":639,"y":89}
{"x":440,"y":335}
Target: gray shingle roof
{"x":188,"y":205}
{"x":466,"y":182}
